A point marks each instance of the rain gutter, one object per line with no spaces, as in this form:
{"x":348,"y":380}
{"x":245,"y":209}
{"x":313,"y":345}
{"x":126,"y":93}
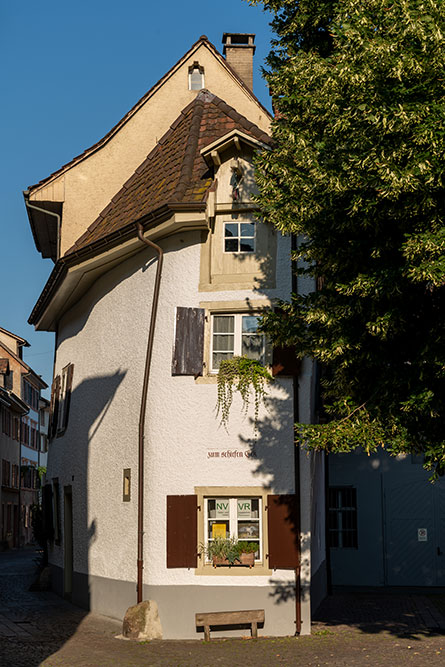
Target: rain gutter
{"x":154,"y":308}
{"x":294,"y":243}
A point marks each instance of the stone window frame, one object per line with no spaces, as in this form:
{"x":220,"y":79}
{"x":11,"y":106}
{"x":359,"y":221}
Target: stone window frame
{"x":245,"y":307}
{"x":205,"y":492}
{"x":192,"y":68}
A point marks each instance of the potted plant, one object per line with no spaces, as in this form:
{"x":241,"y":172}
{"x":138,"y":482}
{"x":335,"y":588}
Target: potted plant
{"x":228,"y":551}
{"x":247,"y":553}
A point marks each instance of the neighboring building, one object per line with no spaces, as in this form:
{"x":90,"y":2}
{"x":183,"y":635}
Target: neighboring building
{"x":180,"y":164}
{"x":44,"y":413}
{"x":386,"y":522}
{"x":20,"y":390}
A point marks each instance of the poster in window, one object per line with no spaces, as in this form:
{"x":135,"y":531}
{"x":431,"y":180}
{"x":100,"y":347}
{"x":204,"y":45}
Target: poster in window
{"x":219,"y":530}
{"x":244,"y":506}
{"x":248,"y":529}
{"x":222,"y":508}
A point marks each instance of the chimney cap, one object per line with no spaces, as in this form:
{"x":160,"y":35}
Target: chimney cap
{"x":238,"y":40}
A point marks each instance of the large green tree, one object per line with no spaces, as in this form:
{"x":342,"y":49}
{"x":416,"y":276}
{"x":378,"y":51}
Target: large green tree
{"x":357,"y":175}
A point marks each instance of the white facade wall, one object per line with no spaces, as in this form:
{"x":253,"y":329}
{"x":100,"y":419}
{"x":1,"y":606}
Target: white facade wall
{"x":105,"y":337}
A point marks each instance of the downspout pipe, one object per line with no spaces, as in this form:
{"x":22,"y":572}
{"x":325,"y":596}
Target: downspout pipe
{"x":53,"y":213}
{"x":151,"y":331}
{"x":294,"y":246}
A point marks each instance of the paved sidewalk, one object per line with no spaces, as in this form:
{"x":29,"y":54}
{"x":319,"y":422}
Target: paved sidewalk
{"x":41,"y":629}
{"x":399,"y":614}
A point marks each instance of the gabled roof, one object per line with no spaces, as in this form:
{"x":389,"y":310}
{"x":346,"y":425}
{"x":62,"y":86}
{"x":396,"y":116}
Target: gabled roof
{"x":27,"y":369}
{"x":19,"y":339}
{"x":203,"y":40}
{"x":174,"y":173}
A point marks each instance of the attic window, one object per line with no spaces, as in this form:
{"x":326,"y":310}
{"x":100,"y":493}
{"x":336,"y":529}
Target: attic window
{"x":196,"y":77}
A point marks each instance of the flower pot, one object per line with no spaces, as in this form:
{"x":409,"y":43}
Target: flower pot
{"x":247,"y":559}
{"x":217,"y":560}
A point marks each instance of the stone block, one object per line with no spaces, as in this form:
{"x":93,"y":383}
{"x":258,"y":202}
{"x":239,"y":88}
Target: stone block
{"x":142,"y":621}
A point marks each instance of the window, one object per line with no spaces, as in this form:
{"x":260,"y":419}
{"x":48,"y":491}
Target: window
{"x":248,"y":513}
{"x":196,"y":77}
{"x":6,"y":421}
{"x":30,"y":395}
{"x":236,"y":335}
{"x":235,"y":517}
{"x":60,"y":402}
{"x":239,"y":237}
{"x":56,"y":511}
{"x":342,"y":519}
{"x":9,"y":380}
{"x":6,"y":472}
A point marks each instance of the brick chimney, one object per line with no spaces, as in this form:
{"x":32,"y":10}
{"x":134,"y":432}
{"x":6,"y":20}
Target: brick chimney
{"x":238,"y":50}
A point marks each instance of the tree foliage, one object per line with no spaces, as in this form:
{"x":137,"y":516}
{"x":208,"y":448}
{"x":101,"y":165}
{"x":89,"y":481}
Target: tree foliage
{"x":357,"y":175}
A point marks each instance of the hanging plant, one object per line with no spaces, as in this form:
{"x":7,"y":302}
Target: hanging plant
{"x":244,"y":376}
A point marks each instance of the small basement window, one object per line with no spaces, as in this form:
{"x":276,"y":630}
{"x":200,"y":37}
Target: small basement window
{"x":196,"y":77}
{"x":342,"y":518}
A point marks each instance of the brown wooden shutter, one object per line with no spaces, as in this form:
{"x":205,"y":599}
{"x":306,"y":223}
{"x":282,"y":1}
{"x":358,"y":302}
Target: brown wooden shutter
{"x":182,"y":531}
{"x":54,"y":407}
{"x":69,"y":384}
{"x":285,"y":362}
{"x":283,"y":523}
{"x":189,"y":342}
{"x":47,"y":507}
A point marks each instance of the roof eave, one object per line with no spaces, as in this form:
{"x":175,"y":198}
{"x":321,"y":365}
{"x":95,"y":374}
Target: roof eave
{"x":113,"y":242}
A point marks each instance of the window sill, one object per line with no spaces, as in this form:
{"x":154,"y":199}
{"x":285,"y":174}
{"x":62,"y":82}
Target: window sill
{"x":233,"y":571}
{"x":206,"y":379}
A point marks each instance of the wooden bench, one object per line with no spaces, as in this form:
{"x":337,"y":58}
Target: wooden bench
{"x":214,"y":618}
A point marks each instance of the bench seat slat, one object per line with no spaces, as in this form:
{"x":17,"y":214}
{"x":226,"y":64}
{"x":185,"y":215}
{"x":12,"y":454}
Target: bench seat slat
{"x":229,"y":617}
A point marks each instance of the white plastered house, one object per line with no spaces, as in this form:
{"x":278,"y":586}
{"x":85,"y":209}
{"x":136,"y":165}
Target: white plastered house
{"x":178,"y":168}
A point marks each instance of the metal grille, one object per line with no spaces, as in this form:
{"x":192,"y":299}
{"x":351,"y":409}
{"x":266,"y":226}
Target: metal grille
{"x":342,"y":517}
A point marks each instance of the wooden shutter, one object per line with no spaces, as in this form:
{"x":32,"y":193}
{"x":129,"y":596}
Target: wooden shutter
{"x":189,"y":342}
{"x":47,"y":507}
{"x":54,"y":407}
{"x":69,"y":384}
{"x":285,"y":362}
{"x":182,"y":531}
{"x":283,"y":523}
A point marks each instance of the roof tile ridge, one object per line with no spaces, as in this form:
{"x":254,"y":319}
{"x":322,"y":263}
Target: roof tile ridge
{"x":129,"y":182}
{"x":191,"y":146}
{"x":242,"y":120}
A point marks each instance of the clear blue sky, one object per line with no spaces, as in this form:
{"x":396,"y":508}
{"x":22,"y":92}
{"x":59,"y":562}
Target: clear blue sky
{"x":69,"y":72}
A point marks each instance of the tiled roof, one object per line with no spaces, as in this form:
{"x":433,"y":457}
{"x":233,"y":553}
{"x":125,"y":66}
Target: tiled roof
{"x":174,"y":172}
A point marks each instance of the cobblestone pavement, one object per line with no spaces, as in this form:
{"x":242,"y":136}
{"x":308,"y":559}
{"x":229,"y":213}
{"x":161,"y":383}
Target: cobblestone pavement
{"x":41,"y":629}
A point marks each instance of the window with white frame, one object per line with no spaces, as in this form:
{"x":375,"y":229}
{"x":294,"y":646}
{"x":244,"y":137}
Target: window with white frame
{"x":235,"y":517}
{"x":196,"y":77}
{"x":236,"y":335}
{"x":239,"y":237}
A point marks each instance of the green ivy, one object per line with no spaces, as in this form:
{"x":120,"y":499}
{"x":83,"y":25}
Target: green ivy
{"x":245,"y":376}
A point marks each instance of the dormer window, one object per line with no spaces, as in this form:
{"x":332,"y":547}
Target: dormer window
{"x":239,"y":237}
{"x":196,"y":77}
